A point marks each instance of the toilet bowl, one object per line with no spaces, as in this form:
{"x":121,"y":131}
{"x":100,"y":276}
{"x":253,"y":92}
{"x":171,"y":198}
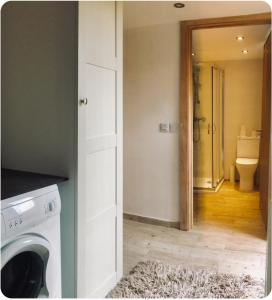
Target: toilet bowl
{"x":246,"y":168}
{"x":247,"y":161}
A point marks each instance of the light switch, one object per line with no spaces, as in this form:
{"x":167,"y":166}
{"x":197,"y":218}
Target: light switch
{"x":164,"y":127}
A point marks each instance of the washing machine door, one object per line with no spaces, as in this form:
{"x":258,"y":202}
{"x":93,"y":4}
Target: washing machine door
{"x":23,"y":267}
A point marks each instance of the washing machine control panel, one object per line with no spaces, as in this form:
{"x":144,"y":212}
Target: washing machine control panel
{"x":28,"y":212}
{"x":15,"y":222}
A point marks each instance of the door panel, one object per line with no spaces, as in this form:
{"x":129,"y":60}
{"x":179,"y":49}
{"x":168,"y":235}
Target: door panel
{"x":99,"y":232}
{"x":266,"y":131}
{"x":100,"y":246}
{"x":101,"y":172}
{"x":101,"y":120}
{"x":97,"y":33}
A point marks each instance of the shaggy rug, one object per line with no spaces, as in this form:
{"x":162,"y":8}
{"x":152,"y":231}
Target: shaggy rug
{"x":152,"y":279}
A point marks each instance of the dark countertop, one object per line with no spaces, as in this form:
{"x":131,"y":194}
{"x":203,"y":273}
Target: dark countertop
{"x":14,"y":182}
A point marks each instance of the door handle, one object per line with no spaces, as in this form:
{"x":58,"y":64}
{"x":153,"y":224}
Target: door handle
{"x":83,"y":101}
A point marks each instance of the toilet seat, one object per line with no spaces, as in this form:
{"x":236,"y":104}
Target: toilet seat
{"x":247,"y":161}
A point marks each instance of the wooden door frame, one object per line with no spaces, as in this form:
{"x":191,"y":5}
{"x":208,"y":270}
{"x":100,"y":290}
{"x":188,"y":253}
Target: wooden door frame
{"x":186,"y":102}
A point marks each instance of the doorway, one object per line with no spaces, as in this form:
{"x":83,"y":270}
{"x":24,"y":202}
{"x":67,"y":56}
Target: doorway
{"x":187,"y":135}
{"x":186,"y":107}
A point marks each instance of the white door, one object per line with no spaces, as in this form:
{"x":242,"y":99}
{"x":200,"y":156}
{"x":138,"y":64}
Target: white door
{"x":99,"y":204}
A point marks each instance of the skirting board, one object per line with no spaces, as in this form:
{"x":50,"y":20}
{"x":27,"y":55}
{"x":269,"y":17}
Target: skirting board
{"x":151,"y":221}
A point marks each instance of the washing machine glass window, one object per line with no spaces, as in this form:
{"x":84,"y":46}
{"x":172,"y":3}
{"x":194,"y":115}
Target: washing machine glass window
{"x":23,"y":276}
{"x":24,"y":266}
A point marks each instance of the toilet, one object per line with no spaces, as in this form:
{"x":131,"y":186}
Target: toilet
{"x":247,"y":160}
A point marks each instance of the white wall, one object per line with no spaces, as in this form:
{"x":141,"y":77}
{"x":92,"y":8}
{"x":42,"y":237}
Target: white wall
{"x":151,"y":96}
{"x":243,"y":98}
{"x":39,"y":73}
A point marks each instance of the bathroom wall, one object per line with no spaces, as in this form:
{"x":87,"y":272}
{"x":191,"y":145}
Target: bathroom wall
{"x":151,"y":96}
{"x":243,"y":95}
{"x":39,"y":68}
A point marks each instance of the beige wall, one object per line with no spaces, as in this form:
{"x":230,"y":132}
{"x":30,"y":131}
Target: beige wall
{"x":243,"y":93}
{"x":151,"y":96}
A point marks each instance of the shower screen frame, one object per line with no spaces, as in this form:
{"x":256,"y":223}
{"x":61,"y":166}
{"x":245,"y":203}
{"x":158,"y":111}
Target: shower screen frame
{"x":215,"y":133}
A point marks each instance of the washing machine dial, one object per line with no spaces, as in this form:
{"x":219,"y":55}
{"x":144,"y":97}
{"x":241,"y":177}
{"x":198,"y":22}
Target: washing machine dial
{"x":50,"y":207}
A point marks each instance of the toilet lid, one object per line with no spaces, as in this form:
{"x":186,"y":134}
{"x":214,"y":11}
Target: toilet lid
{"x":247,"y":161}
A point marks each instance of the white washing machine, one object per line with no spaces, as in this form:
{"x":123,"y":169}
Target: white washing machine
{"x":30,"y":244}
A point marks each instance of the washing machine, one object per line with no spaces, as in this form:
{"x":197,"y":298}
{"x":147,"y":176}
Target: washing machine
{"x":30,"y":244}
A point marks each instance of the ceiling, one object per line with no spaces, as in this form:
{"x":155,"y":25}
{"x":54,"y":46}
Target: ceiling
{"x":146,"y":13}
{"x":221,"y":44}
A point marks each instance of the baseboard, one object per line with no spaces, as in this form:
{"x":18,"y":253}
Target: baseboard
{"x":152,"y":221}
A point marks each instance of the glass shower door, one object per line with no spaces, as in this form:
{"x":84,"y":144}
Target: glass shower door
{"x":217,"y":125}
{"x":208,"y":116}
{"x":202,"y":126}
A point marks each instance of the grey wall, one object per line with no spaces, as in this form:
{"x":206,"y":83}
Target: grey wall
{"x":39,"y":69}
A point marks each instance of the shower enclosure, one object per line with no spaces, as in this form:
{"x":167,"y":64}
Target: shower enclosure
{"x":208,"y":118}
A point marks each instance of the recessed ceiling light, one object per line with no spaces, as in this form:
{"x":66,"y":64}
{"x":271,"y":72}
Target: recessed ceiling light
{"x":245,"y":51}
{"x":179,"y":5}
{"x":240,"y":38}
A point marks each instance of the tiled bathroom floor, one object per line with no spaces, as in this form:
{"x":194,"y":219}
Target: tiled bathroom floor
{"x":228,"y":236}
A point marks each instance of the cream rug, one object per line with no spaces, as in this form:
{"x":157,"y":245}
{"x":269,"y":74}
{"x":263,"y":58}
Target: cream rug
{"x":152,"y":279}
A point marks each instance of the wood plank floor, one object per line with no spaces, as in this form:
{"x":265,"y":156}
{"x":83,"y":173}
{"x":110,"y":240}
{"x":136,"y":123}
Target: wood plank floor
{"x":228,"y":236}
